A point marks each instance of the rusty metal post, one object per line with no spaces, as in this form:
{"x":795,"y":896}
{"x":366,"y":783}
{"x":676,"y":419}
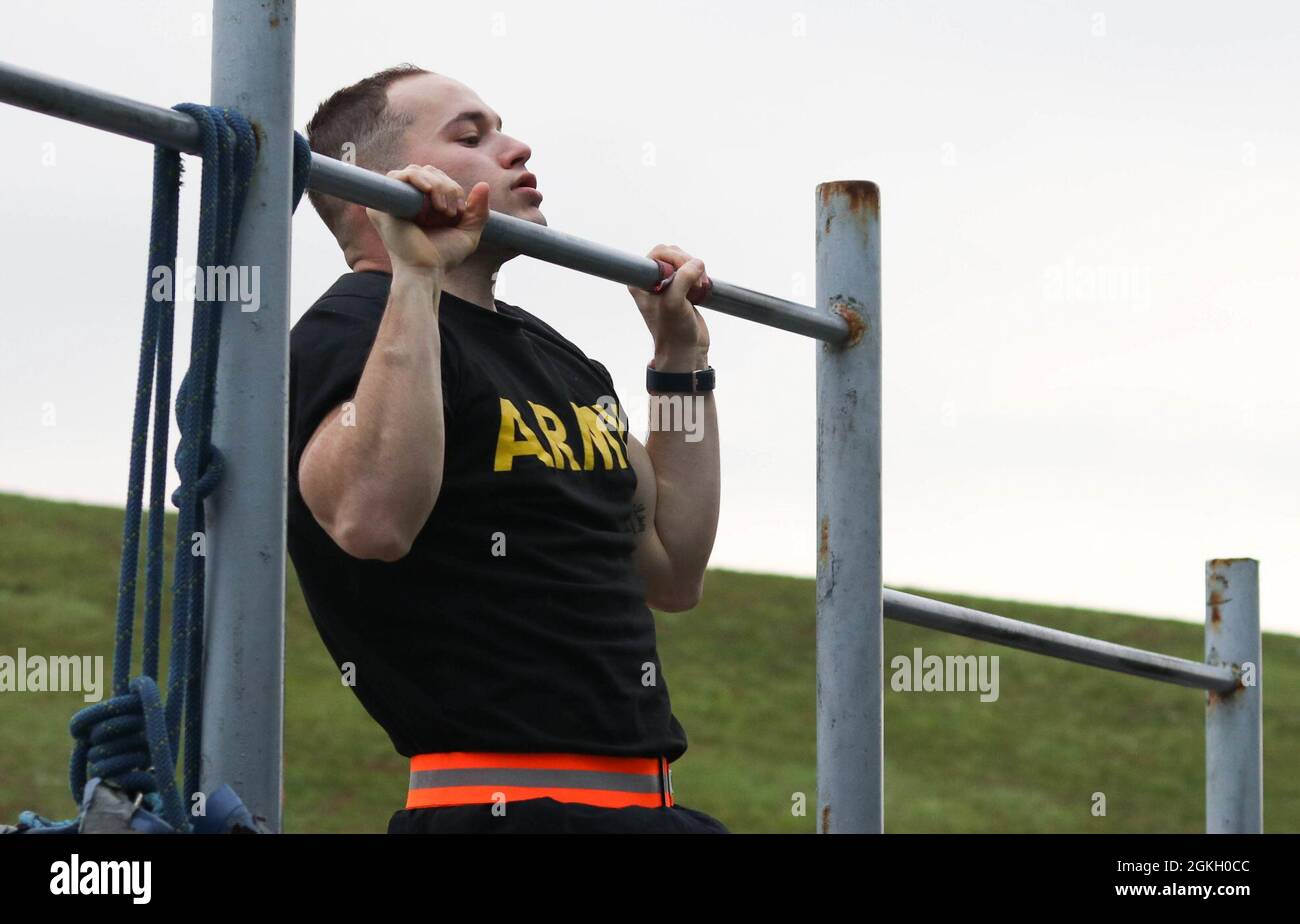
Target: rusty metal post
{"x":1234,"y":733}
{"x":850,"y":635}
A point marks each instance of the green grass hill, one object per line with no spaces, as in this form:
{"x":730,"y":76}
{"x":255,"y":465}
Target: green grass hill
{"x":741,"y":670}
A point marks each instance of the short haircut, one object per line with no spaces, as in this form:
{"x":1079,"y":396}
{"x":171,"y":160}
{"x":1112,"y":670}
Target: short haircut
{"x":359,"y":115}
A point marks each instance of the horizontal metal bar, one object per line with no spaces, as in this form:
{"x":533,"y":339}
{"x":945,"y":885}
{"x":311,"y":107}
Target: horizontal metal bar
{"x":88,"y":106}
{"x":74,"y":102}
{"x":960,"y":620}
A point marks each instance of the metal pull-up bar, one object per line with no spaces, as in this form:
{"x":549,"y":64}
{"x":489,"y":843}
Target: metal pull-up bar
{"x":156,"y":125}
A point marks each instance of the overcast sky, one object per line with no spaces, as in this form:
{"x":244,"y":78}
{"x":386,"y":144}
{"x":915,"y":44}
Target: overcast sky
{"x":1091,"y":222}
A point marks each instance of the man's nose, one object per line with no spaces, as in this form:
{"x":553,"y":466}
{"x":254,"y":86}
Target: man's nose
{"x":517,"y":153}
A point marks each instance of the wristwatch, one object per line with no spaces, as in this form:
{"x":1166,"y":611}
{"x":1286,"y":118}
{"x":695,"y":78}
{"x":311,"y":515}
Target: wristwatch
{"x":680,"y":382}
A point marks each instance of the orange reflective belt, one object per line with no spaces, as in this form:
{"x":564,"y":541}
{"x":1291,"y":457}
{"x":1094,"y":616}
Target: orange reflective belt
{"x":466,"y":778}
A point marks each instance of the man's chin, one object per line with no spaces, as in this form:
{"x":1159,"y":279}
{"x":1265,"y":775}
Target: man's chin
{"x":529,"y":213}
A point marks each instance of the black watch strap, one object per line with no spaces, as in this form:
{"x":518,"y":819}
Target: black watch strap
{"x":680,"y":382}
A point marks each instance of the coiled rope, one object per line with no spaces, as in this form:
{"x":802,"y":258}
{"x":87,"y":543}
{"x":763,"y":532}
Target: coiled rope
{"x":132,"y":739}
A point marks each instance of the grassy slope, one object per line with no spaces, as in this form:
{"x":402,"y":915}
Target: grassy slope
{"x":741,"y":671}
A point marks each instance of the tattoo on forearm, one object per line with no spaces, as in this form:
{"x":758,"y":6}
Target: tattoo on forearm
{"x":636,"y":519}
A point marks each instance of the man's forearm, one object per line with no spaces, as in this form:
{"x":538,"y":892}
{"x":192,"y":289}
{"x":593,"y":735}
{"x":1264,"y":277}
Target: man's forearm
{"x":687,"y":473}
{"x":392,"y":459}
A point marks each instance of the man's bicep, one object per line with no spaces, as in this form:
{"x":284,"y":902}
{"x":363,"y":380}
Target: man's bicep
{"x":314,"y":471}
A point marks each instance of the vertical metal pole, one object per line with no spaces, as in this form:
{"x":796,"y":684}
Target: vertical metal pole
{"x":243,"y":675}
{"x":850,"y":635}
{"x":1234,"y":733}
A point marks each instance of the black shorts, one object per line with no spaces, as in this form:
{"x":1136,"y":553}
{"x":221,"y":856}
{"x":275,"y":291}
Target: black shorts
{"x":546,"y":816}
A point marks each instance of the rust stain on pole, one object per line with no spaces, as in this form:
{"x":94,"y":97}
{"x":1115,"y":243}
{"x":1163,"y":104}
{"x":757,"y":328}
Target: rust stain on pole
{"x":1214,"y":697}
{"x":1220,"y":580}
{"x":1216,"y":600}
{"x":862,"y":197}
{"x":857,"y":324}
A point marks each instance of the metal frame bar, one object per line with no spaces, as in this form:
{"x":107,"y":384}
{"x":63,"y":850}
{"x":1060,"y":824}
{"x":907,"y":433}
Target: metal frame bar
{"x":243,"y":665}
{"x":850,"y":633}
{"x":1234,"y":731}
{"x":122,"y":116}
{"x":1054,"y":643}
{"x":253,"y":71}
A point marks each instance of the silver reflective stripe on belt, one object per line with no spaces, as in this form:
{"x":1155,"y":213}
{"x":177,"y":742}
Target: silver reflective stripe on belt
{"x":551,"y":779}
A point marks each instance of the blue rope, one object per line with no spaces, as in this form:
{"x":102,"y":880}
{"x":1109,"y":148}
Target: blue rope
{"x":132,"y":739}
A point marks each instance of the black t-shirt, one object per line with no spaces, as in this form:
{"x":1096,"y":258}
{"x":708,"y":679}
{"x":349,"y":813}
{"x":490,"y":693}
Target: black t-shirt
{"x":518,"y":621}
